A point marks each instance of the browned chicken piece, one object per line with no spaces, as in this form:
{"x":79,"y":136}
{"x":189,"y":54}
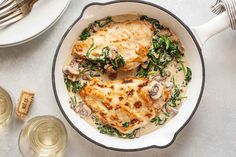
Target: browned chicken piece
{"x":125,"y":104}
{"x":131,"y":39}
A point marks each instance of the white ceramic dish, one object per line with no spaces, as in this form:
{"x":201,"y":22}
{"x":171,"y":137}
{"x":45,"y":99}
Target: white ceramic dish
{"x":42,"y":17}
{"x":166,"y":135}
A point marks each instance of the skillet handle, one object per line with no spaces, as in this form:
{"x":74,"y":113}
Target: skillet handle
{"x":212,"y":27}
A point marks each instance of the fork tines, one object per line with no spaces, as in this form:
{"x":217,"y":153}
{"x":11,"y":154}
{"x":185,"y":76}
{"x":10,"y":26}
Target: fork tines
{"x":14,"y":10}
{"x":6,"y":5}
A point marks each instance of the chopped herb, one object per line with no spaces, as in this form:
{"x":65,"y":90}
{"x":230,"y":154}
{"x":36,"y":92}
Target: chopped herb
{"x":131,"y":135}
{"x":165,"y":113}
{"x":92,"y":47}
{"x":73,"y":102}
{"x":87,"y":32}
{"x":106,"y":51}
{"x":153,"y":73}
{"x":175,"y":95}
{"x":152,"y":56}
{"x":188,"y":75}
{"x":74,"y":86}
{"x":126,"y":124}
{"x":108,"y":130}
{"x":103,"y":60}
{"x":93,"y":67}
{"x":142,"y":72}
{"x":103,"y":22}
{"x":158,"y":120}
{"x":91,"y":74}
{"x":154,"y":22}
{"x":155,"y":120}
{"x":77,"y":86}
{"x":68,"y":83}
{"x":160,"y":55}
{"x":111,"y":131}
{"x":162,"y":52}
{"x":117,"y":62}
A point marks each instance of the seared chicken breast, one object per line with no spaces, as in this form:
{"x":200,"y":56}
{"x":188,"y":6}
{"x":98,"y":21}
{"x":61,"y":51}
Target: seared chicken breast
{"x":123,"y":104}
{"x":131,"y":39}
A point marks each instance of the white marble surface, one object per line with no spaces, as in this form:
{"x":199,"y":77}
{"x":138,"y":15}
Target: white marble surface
{"x":210,"y":133}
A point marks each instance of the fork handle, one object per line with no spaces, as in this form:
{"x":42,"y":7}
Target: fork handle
{"x":32,"y":3}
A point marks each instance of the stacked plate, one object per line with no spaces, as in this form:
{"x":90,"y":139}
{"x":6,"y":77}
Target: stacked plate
{"x":42,"y":17}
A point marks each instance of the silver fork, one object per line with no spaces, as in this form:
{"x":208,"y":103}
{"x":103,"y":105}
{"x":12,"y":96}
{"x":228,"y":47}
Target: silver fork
{"x":15,"y":11}
{"x":5,"y":3}
{"x":8,"y":4}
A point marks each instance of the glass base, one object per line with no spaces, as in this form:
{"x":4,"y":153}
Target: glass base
{"x":43,"y":136}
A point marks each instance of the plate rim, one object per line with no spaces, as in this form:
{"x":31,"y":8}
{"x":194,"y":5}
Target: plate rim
{"x":133,"y":1}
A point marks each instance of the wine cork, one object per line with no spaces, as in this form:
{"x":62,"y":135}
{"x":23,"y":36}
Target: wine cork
{"x":25,"y":103}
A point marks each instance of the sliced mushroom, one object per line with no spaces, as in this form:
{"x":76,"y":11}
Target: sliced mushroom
{"x":171,"y":110}
{"x":82,"y":112}
{"x":155,"y":90}
{"x":83,"y":109}
{"x":69,"y":70}
{"x":111,"y":72}
{"x":72,"y":77}
{"x":110,"y":69}
{"x":75,"y":64}
{"x":158,"y":104}
{"x":159,"y":78}
{"x":95,"y":28}
{"x":86,"y":76}
{"x":156,"y":55}
{"x":145,"y":65}
{"x":174,"y":39}
{"x":112,"y":54}
{"x":169,"y":86}
{"x":81,"y":104}
{"x":138,"y":133}
{"x":165,"y":32}
{"x":167,"y":73}
{"x":106,"y":66}
{"x":96,"y":74}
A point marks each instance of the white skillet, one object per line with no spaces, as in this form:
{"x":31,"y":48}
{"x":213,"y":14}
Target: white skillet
{"x":192,"y":39}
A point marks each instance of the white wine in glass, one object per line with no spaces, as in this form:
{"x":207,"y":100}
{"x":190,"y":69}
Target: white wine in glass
{"x":6,"y":107}
{"x":43,"y":136}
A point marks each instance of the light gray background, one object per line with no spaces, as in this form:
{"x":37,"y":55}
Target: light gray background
{"x":210,"y":133}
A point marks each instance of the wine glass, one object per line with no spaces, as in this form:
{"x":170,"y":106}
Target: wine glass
{"x":43,"y":136}
{"x":6,"y":107}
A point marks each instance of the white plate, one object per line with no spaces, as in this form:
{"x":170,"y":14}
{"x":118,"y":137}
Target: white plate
{"x":44,"y":14}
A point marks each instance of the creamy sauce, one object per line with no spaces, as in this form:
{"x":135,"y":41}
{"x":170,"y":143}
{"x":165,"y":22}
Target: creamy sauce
{"x":172,"y":67}
{"x":150,"y":127}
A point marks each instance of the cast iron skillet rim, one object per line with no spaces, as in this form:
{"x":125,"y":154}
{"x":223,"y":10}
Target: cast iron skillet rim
{"x":124,"y":1}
